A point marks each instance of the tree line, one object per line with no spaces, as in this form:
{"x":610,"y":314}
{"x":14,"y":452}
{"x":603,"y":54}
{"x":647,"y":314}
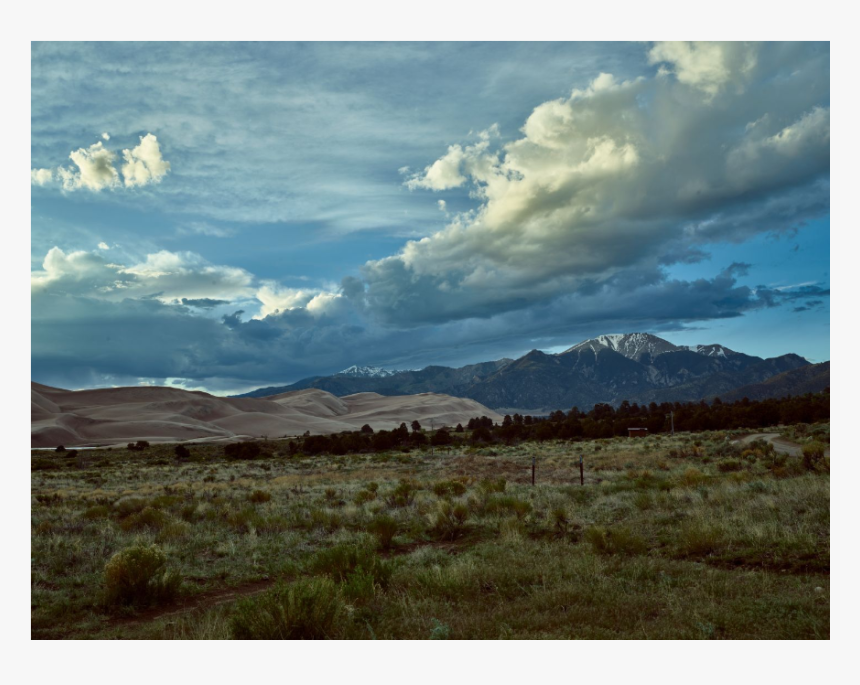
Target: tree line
{"x":601,"y":421}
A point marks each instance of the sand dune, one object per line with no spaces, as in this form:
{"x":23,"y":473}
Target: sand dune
{"x":110,"y":416}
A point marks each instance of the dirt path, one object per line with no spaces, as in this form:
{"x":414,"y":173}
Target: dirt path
{"x":215,"y":597}
{"x":792,"y":449}
{"x":205,"y":600}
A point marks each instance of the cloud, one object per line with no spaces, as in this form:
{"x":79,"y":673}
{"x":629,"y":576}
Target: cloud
{"x":165,"y":276}
{"x":706,"y":66}
{"x":619,"y":176}
{"x":103,"y":246}
{"x":94,"y":168}
{"x":40,"y":177}
{"x":207,"y":229}
{"x":144,"y":163}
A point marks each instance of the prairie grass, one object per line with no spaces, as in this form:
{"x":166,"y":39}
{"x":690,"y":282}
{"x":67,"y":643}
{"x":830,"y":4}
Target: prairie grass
{"x":663,"y":541}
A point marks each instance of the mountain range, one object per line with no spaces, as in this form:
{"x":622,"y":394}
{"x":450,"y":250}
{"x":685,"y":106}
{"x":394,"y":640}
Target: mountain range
{"x":638,"y":367}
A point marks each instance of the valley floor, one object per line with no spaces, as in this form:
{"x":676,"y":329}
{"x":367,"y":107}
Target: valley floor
{"x":668,"y":538}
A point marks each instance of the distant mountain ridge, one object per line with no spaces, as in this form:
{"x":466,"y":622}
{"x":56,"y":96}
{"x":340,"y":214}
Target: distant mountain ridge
{"x":639,"y":367}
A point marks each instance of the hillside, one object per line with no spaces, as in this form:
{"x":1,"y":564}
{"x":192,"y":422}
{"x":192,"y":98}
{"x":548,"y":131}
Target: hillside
{"x":812,"y":378}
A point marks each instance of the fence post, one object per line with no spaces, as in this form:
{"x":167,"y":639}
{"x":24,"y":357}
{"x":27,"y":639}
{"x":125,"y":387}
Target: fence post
{"x":533,"y":470}
{"x":581,"y":472}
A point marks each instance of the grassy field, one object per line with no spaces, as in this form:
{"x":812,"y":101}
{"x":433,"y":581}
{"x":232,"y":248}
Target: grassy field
{"x":689,"y":536}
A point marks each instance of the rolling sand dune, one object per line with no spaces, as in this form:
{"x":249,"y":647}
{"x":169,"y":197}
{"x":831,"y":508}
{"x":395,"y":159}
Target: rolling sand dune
{"x":110,"y":416}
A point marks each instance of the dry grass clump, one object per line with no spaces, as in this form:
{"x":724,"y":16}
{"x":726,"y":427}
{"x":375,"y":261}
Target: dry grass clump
{"x":308,"y":609}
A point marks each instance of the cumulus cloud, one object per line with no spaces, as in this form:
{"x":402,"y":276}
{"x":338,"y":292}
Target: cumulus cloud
{"x":165,"y":276}
{"x":40,"y":177}
{"x":103,"y":246}
{"x":94,"y":168}
{"x":619,"y":176}
{"x":704,"y":65}
{"x":144,"y":163}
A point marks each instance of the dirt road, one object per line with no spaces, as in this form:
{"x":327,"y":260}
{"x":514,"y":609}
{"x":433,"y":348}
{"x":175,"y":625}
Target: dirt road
{"x":779,"y":444}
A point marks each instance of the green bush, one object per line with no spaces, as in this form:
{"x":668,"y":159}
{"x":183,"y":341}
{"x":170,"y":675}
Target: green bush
{"x":384,"y":527}
{"x":138,"y":576}
{"x":813,"y":455}
{"x":308,"y":609}
{"x":729,"y":465}
{"x":100,"y":511}
{"x":147,"y":519}
{"x":489,"y":485}
{"x":364,"y":496}
{"x":342,"y":560}
{"x":445,"y":488}
{"x":450,"y":520}
{"x":403,"y":495}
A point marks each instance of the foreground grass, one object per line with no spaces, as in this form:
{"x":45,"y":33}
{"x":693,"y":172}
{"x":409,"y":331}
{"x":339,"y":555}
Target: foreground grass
{"x":679,"y":537}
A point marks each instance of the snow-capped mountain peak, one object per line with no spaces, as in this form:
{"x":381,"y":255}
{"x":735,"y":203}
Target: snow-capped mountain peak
{"x":366,"y":372}
{"x":711,"y":350}
{"x":631,"y":345}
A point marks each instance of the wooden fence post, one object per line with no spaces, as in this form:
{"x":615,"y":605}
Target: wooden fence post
{"x":533,"y":470}
{"x":581,"y":472}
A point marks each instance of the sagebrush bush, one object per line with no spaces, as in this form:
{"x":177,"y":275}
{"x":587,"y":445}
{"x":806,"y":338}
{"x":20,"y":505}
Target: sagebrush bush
{"x":149,"y":518}
{"x":342,"y":560}
{"x":259,"y":496}
{"x":384,"y":527}
{"x":308,"y":609}
{"x":728,"y":465}
{"x":446,"y":488}
{"x":403,"y":495}
{"x":449,"y":522}
{"x":813,"y":455}
{"x":693,"y":477}
{"x":139,"y":576}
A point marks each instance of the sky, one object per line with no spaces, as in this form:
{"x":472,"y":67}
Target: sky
{"x":229,"y":216}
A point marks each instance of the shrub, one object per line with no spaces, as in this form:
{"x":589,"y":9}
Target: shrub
{"x":259,"y":496}
{"x":450,"y":520}
{"x":616,"y":540}
{"x":445,"y":488}
{"x":508,"y":504}
{"x":138,"y":576}
{"x":363,"y":496}
{"x":489,"y":485}
{"x":342,"y":560}
{"x":693,"y":477}
{"x":147,"y":519}
{"x":308,"y":609}
{"x":182,"y":452}
{"x":403,"y":495}
{"x":813,"y":455}
{"x":384,"y":527}
{"x":129,"y":505}
{"x":440,"y":631}
{"x":99,"y":511}
{"x":728,"y":465}
{"x":242,"y":450}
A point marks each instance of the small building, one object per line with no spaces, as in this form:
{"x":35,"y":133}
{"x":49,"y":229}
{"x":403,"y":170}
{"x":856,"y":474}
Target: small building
{"x":637,"y":432}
